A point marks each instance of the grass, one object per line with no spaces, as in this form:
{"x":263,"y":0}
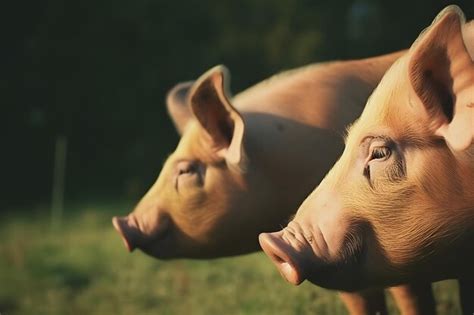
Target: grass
{"x":83,"y":268}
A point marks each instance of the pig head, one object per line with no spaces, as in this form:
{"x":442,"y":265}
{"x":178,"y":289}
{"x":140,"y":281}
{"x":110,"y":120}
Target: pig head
{"x":399,"y":203}
{"x":207,"y":173}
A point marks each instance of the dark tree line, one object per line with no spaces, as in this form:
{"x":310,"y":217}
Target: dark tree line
{"x":98,"y":71}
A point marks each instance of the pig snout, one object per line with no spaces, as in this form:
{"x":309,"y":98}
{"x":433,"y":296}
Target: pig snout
{"x":322,"y":246}
{"x":127,"y":230}
{"x":282,"y":255}
{"x":147,"y":232}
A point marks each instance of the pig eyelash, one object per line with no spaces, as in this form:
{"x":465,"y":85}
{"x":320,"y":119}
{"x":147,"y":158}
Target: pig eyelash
{"x":382,"y":152}
{"x":189,"y":169}
{"x":185,"y":171}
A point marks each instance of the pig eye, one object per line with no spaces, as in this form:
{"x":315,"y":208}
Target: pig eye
{"x":187,"y":168}
{"x":188,"y":174}
{"x":379,"y":153}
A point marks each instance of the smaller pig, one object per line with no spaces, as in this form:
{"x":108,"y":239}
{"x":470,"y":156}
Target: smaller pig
{"x":398,"y":206}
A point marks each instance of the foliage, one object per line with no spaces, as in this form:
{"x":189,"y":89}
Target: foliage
{"x":98,"y":72}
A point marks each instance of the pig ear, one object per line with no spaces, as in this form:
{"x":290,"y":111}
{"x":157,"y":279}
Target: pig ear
{"x":178,"y":106}
{"x":441,"y":73}
{"x":223,"y":123}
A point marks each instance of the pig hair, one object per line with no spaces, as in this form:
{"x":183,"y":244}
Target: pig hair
{"x":409,"y":217}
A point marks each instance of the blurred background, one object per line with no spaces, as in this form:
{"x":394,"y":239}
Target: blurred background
{"x":83,"y":84}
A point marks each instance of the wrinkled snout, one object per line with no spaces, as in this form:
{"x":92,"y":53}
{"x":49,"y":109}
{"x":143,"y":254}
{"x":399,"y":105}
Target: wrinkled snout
{"x":282,"y":255}
{"x":127,"y":230}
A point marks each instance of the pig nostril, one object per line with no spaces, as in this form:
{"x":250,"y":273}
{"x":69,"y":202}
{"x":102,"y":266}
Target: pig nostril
{"x":278,"y":259}
{"x":282,"y":260}
{"x":270,"y":247}
{"x":285,"y":266}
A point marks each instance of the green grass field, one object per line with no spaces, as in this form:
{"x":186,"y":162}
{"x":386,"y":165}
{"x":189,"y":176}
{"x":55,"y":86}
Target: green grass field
{"x":83,"y":268}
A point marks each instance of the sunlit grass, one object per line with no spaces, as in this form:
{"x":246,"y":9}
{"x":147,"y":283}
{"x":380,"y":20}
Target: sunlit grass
{"x":83,"y":268}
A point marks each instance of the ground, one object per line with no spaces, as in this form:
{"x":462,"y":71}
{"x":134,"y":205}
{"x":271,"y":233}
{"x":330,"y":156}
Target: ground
{"x":81,"y":267}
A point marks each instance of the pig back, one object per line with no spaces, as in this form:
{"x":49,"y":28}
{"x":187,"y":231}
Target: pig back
{"x":327,"y":95}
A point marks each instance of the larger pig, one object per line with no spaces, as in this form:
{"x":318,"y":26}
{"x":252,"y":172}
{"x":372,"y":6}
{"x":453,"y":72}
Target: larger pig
{"x":399,"y":204}
{"x":244,"y":163}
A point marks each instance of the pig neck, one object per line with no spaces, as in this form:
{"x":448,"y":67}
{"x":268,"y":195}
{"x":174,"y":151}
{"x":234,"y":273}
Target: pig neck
{"x":295,"y":122}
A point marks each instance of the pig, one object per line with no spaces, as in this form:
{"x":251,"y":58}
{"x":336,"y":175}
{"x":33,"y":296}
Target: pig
{"x":245,"y":163}
{"x":398,"y":206}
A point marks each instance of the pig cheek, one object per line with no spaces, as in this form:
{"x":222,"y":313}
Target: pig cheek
{"x":345,"y":268}
{"x":194,"y":218}
{"x":197,"y":217}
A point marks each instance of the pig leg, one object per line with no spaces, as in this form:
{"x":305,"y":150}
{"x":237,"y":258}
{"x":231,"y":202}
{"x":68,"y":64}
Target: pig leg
{"x":414,"y":299}
{"x":367,"y":302}
{"x":466,"y":293}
